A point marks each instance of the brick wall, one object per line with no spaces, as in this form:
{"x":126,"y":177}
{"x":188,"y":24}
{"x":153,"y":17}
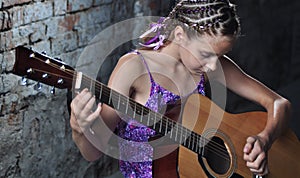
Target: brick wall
{"x":35,"y":136}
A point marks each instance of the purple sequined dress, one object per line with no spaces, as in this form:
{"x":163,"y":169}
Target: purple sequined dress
{"x":135,"y":153}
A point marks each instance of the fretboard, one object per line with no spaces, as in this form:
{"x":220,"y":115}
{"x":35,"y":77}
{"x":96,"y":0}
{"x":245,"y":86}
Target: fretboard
{"x":162,"y":125}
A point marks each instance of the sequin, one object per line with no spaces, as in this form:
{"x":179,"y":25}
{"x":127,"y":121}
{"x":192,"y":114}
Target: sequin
{"x":136,"y":153}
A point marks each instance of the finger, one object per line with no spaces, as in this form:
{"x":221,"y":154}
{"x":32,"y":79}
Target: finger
{"x":249,"y":144}
{"x":255,"y":152}
{"x":81,"y":100}
{"x":89,"y":105}
{"x":95,"y":114}
{"x":77,"y":99}
{"x":258,"y":163}
{"x":261,"y":171}
{"x":84,"y":96}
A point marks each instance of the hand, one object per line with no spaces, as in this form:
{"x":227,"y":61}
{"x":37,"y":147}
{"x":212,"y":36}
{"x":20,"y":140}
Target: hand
{"x":82,"y":116}
{"x":255,"y":155}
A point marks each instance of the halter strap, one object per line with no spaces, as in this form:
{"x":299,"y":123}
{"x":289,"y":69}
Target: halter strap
{"x":146,"y":65}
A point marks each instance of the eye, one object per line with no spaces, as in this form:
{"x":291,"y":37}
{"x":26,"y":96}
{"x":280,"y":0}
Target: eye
{"x":206,"y":54}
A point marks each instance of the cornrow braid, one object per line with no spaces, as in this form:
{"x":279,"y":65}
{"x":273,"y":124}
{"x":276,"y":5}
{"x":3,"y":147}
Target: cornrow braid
{"x":212,"y":17}
{"x":196,"y":17}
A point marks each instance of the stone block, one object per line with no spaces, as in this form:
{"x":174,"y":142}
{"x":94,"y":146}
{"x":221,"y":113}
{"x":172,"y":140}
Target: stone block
{"x":17,"y":15}
{"x":99,"y":15}
{"x":9,"y":82}
{"x":85,"y":36}
{"x":43,"y":46}
{"x":5,"y":20}
{"x":37,"y":11}
{"x":14,"y":38}
{"x":39,"y":32}
{"x":2,"y":41}
{"x":69,"y":21}
{"x":60,"y":7}
{"x":9,"y":60}
{"x":72,"y":57}
{"x":78,"y":5}
{"x":8,"y":3}
{"x":64,"y":43}
{"x":100,"y":2}
{"x":1,"y":62}
{"x":82,"y":22}
{"x":53,"y":27}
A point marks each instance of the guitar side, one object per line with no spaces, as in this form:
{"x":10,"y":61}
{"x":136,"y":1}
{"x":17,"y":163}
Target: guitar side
{"x":207,"y":119}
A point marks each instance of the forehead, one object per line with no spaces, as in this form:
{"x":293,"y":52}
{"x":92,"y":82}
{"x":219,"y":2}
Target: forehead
{"x":213,"y":44}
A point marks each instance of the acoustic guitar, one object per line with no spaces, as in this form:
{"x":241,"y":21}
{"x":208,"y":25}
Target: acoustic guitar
{"x":210,"y":140}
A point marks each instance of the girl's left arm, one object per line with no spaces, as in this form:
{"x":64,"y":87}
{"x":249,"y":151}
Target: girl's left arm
{"x":278,"y":108}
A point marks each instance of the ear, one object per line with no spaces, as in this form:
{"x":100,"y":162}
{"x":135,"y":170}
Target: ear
{"x":179,"y":34}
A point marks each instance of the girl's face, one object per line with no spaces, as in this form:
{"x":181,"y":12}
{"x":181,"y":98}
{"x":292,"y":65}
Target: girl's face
{"x":200,"y":55}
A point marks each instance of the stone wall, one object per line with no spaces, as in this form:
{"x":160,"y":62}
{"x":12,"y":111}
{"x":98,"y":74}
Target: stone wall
{"x":35,"y":136}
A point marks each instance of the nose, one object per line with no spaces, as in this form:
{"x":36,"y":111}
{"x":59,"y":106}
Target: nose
{"x":212,"y":64}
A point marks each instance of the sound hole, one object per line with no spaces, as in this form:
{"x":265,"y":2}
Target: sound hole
{"x":217,"y":156}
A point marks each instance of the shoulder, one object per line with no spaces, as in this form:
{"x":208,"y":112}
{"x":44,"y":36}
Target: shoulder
{"x":129,"y":63}
{"x":128,"y":69}
{"x":227,"y":69}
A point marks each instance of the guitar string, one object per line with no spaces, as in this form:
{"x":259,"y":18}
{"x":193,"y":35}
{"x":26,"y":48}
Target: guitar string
{"x":180,"y":129}
{"x":195,"y":137}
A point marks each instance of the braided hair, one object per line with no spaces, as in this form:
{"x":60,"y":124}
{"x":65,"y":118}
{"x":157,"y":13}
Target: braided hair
{"x":212,"y":17}
{"x":199,"y":17}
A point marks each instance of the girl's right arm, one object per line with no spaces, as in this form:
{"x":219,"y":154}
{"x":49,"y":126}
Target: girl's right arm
{"x":86,"y":123}
{"x":91,"y":130}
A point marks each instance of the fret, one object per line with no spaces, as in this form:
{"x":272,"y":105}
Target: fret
{"x":201,"y":143}
{"x":119,"y":98}
{"x":138,"y":111}
{"x":180,"y":137}
{"x":104,"y":96}
{"x":166,"y":130}
{"x":185,"y":136}
{"x":189,"y":141}
{"x":192,"y":142}
{"x":148,"y":120}
{"x":154,"y":123}
{"x":100,"y":93}
{"x":176,"y":133}
{"x":160,"y":126}
{"x":149,"y":115}
{"x":126,"y":110}
{"x":171,"y":131}
{"x":109,"y":99}
{"x":134,"y":111}
{"x":142,"y":115}
{"x":197,"y":145}
{"x":91,"y":85}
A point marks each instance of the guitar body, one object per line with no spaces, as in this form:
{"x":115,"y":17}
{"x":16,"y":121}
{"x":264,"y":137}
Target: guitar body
{"x":210,"y":121}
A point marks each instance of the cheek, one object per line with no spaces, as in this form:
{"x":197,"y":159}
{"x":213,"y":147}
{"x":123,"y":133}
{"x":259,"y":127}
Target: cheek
{"x":190,"y":60}
{"x":186,"y":55}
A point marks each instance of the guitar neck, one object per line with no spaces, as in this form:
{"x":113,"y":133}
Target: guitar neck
{"x":162,"y":125}
{"x":48,"y":70}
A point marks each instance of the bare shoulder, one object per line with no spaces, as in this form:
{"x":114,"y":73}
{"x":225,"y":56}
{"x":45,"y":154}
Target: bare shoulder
{"x":226,"y":61}
{"x":227,"y":70}
{"x":130,"y":62}
{"x":128,"y":69}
